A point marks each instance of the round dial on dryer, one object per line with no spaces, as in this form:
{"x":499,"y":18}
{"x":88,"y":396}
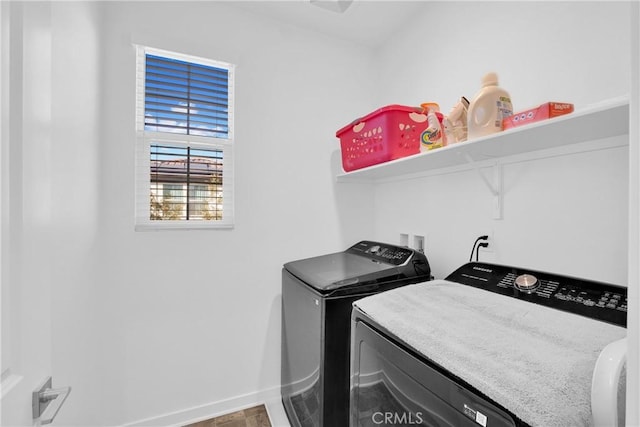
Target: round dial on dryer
{"x":526,"y":283}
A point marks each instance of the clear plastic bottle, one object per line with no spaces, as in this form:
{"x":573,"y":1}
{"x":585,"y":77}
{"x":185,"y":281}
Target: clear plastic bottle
{"x":433,"y":136}
{"x":488,"y":108}
{"x":455,"y":124}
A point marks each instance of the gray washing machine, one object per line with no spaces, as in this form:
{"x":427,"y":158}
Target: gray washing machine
{"x":317,"y":297}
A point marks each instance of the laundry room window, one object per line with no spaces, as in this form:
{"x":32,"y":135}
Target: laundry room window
{"x":184,"y":149}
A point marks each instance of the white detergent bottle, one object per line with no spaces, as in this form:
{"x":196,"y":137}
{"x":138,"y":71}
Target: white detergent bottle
{"x":488,"y":108}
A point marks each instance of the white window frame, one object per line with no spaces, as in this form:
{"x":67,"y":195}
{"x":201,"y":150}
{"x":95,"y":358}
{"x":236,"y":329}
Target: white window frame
{"x":145,"y":138}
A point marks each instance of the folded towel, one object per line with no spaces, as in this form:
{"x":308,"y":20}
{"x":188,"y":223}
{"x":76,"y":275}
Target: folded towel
{"x":535,"y":361}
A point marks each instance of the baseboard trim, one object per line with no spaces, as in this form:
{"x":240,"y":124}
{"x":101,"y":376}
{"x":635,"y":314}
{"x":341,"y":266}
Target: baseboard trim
{"x":210,"y":410}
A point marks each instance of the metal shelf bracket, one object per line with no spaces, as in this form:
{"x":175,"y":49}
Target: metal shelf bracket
{"x":494,"y":184}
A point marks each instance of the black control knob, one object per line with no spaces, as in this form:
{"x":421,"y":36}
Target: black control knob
{"x":527,"y":283}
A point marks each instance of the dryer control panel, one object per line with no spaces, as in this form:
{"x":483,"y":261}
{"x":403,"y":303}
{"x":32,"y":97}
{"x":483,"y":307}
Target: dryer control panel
{"x":382,"y":252}
{"x":597,"y":300}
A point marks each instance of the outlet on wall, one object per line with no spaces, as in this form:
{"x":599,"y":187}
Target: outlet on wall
{"x":413,"y":241}
{"x":490,"y":241}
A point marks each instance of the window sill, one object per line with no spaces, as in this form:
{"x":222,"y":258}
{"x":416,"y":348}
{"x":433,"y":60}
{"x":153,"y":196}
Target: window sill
{"x":182,"y":225}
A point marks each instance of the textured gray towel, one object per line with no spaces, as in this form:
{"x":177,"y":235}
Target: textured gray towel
{"x":535,"y":361}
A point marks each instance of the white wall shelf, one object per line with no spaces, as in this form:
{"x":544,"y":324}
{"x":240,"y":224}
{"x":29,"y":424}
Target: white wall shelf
{"x":603,"y":120}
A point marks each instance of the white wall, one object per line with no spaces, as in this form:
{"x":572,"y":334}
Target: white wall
{"x":567,"y":213}
{"x":197,"y":314}
{"x":543,"y":51}
{"x":84,"y":357}
{"x":577,"y":228}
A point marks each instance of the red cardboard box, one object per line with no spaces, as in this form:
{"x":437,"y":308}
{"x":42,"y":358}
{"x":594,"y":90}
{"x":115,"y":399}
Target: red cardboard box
{"x":545,"y":111}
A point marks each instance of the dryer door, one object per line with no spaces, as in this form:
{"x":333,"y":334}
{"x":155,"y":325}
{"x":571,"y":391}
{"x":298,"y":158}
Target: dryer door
{"x":391,"y":386}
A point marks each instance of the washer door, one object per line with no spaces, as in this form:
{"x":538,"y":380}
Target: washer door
{"x":391,"y":387}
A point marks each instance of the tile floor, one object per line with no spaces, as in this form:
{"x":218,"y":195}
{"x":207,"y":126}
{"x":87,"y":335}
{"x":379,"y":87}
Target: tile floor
{"x":252,"y":417}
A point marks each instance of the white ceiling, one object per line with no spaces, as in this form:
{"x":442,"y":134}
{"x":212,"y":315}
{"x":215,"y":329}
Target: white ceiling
{"x":368,"y":22}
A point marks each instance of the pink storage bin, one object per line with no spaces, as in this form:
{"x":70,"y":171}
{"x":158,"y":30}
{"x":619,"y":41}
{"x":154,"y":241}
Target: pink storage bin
{"x":388,"y":133}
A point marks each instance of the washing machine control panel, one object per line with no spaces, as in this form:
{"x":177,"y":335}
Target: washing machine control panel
{"x":382,"y":252}
{"x":597,"y":300}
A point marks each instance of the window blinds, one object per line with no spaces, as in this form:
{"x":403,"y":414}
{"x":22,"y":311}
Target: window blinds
{"x":186,"y":183}
{"x":187,"y":98}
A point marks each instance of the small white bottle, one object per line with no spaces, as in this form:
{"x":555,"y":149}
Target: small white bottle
{"x":488,"y":108}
